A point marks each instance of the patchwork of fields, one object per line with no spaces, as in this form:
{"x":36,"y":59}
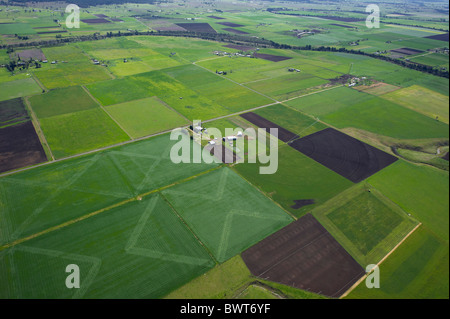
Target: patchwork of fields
{"x":86,"y":175}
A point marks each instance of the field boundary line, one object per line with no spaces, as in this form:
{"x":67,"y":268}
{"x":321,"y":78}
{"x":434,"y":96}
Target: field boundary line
{"x":324,"y":90}
{"x":107,"y":113}
{"x":379,"y":263}
{"x":42,"y":86}
{"x":38,"y":128}
{"x":171,"y":108}
{"x":189,"y":228}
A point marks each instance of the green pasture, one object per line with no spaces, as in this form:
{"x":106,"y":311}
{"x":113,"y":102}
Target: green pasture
{"x":383,"y":117}
{"x":291,"y":120}
{"x":144,"y":117}
{"x":138,"y":250}
{"x":62,"y":101}
{"x":322,"y":103}
{"x":19,"y":88}
{"x":226,"y":212}
{"x":287,"y":86}
{"x":134,"y":87}
{"x":16,"y":28}
{"x":433,"y":59}
{"x":365,"y":223}
{"x":298,"y":178}
{"x":421,"y":191}
{"x":418,"y":269}
{"x":194,"y":106}
{"x":422,"y":100}
{"x":74,"y":133}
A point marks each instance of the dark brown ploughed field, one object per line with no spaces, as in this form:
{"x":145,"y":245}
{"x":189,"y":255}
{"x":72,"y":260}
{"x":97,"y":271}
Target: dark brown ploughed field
{"x":95,"y":21}
{"x":230,"y":24}
{"x":283,"y":134}
{"x":197,"y":27}
{"x":12,"y":112}
{"x":217,"y":18}
{"x":20,"y":147}
{"x":235,"y":31}
{"x":272,"y":58}
{"x":49,"y":32}
{"x":407,"y":51}
{"x":305,"y":256}
{"x":343,"y":154}
{"x":441,"y":37}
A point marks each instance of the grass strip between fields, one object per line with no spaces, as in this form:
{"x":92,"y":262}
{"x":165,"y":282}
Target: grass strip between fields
{"x":40,"y":133}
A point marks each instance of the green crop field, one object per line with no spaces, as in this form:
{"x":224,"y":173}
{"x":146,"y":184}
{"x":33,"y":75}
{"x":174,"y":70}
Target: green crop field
{"x":291,"y":120}
{"x":387,"y":118}
{"x":19,"y":88}
{"x":366,"y":223}
{"x":418,"y":190}
{"x":142,"y":247}
{"x":422,"y":100}
{"x":418,"y":269}
{"x":62,"y":101}
{"x":82,"y":131}
{"x":226,"y":212}
{"x":298,"y":178}
{"x":144,"y":117}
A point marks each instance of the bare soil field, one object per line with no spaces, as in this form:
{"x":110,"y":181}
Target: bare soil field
{"x":20,"y":147}
{"x":230,"y":24}
{"x":344,"y":154}
{"x":33,"y":53}
{"x":95,"y":21}
{"x":271,"y":57}
{"x":440,"y":37}
{"x":240,"y":47}
{"x":12,"y":112}
{"x":407,"y":51}
{"x":197,"y":27}
{"x":304,"y":255}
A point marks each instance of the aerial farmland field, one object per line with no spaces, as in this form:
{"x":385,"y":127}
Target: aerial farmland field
{"x":119,"y":178}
